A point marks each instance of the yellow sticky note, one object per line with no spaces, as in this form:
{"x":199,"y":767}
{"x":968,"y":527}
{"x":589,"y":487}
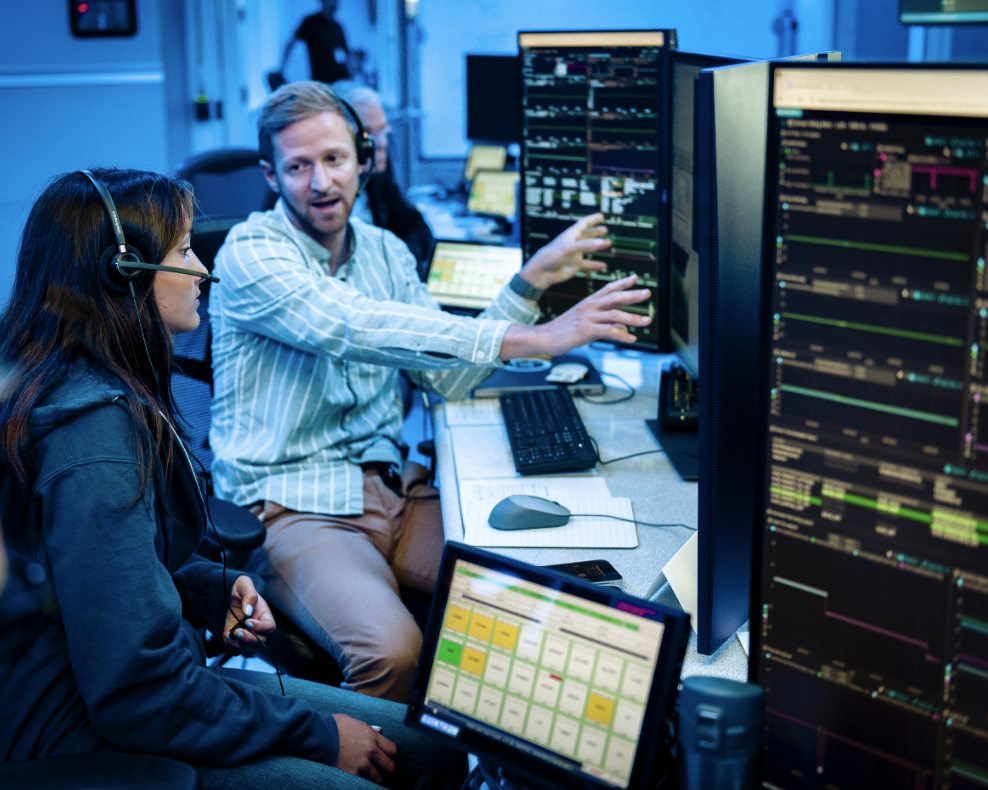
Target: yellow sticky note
{"x":505,"y":636}
{"x":456,"y":618}
{"x":480,"y":626}
{"x":473,"y":661}
{"x":600,"y":709}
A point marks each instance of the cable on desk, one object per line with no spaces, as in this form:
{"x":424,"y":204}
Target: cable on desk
{"x":620,"y":457}
{"x":624,"y":399}
{"x":630,"y":520}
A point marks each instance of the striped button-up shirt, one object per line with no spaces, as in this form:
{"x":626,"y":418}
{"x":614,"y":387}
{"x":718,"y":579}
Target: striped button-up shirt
{"x":305,"y":363}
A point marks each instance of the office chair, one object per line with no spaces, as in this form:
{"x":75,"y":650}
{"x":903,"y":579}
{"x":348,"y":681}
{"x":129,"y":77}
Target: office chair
{"x":240,"y":530}
{"x":227,"y":181}
{"x":99,"y":771}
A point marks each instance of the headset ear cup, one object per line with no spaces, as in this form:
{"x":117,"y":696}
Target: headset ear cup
{"x":116,"y":279}
{"x":366,"y":149}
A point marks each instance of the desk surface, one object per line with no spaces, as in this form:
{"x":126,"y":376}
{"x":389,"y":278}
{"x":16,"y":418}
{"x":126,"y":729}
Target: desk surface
{"x":657,"y":493}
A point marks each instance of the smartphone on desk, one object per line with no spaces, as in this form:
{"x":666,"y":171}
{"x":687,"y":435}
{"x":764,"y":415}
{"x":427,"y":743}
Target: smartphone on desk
{"x":594,"y":571}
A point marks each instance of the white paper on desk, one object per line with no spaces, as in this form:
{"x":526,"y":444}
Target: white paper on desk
{"x":744,"y":637}
{"x":482,"y":451}
{"x":483,"y":411}
{"x":680,"y":572}
{"x":548,"y":487}
{"x":581,"y":532}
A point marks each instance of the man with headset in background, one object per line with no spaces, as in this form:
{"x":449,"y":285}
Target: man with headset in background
{"x":316,"y":314}
{"x":381,"y":202}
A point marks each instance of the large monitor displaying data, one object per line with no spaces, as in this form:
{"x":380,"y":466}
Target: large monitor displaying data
{"x":560,"y":683}
{"x":594,"y":137}
{"x":870,"y":618}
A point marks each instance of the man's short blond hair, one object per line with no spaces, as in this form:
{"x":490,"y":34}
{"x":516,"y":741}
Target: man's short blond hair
{"x":292,"y":103}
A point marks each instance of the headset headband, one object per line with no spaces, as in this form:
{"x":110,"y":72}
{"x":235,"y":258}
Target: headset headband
{"x":130,"y":269}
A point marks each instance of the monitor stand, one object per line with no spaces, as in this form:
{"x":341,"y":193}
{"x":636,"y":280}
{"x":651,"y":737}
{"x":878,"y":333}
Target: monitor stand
{"x":678,"y":440}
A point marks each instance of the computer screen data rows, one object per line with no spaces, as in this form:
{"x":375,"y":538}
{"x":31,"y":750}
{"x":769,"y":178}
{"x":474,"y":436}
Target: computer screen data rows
{"x":590,"y":142}
{"x":874,"y":573}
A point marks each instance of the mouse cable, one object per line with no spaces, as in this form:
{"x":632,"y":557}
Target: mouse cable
{"x":620,"y":457}
{"x":623,"y":399}
{"x":629,"y":520}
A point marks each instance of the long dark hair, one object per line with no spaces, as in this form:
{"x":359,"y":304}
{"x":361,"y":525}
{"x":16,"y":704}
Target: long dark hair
{"x":60,"y":312}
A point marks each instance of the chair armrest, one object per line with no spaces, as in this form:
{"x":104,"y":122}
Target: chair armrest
{"x":239,"y":529}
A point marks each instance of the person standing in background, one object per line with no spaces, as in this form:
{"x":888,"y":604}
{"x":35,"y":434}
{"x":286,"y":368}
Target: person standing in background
{"x":326,"y":42}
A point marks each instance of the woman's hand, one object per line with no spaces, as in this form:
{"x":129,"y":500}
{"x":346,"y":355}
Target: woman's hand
{"x":363,"y":751}
{"x":563,"y":257}
{"x":245,"y":602}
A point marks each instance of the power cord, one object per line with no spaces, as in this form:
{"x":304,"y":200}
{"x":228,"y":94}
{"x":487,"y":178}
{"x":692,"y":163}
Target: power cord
{"x":629,"y":520}
{"x":620,"y":457}
{"x":623,"y":399}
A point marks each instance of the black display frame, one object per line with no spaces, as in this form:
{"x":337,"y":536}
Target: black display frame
{"x":79,"y":32}
{"x":533,"y":771}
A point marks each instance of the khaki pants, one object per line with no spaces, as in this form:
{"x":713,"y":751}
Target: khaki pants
{"x":337,"y":578}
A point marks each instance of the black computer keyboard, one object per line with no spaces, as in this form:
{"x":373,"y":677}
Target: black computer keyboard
{"x":546,"y":432}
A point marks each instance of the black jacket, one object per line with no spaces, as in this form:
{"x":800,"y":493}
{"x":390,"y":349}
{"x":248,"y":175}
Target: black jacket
{"x":97,"y":643}
{"x":392,"y":212}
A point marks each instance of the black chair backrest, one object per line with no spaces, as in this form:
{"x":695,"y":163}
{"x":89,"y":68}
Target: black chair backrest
{"x":227,"y":181}
{"x":192,"y":380}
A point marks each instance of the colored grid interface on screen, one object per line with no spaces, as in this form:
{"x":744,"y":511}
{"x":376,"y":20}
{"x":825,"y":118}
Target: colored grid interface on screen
{"x":470,"y":275}
{"x":591,"y":114}
{"x":553,"y":673}
{"x":873,"y":640}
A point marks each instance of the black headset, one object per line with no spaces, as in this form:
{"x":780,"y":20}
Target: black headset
{"x":122,"y":267}
{"x":366,"y":148}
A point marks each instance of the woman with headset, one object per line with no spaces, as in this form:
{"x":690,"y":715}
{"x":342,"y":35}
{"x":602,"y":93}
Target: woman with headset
{"x":102,"y":510}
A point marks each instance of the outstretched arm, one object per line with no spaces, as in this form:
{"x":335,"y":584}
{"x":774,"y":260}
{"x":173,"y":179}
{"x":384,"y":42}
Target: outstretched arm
{"x":563,"y":257}
{"x":598,"y":317}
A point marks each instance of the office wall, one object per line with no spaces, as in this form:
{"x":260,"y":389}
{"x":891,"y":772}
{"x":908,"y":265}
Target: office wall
{"x":452,"y":28}
{"x":71,"y":103}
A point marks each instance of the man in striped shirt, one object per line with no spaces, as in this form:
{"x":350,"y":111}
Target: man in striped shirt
{"x":316,"y":314}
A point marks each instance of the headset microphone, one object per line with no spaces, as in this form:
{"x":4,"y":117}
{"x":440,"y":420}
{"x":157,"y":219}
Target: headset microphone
{"x":123,"y":266}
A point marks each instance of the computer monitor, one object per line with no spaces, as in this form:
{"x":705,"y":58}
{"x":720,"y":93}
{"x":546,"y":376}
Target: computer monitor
{"x":594,"y":138}
{"x":493,"y":101}
{"x":494,"y":192}
{"x":561,"y":683}
{"x":470,"y":275}
{"x":484,"y":157}
{"x":870,"y":607}
{"x":729,"y":185}
{"x":943,"y":12}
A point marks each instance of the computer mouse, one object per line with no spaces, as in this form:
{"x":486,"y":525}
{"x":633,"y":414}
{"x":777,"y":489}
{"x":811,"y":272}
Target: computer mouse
{"x":521,"y":511}
{"x":567,"y":373}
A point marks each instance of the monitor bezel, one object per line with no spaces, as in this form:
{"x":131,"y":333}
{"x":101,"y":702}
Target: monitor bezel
{"x":764,"y":369}
{"x":678,"y":345}
{"x":669,"y":45}
{"x":532,"y":769}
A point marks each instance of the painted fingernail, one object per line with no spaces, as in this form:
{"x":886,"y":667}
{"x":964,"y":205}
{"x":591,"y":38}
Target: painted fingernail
{"x":239,"y":635}
{"x":249,"y":623}
{"x":248,"y":610}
